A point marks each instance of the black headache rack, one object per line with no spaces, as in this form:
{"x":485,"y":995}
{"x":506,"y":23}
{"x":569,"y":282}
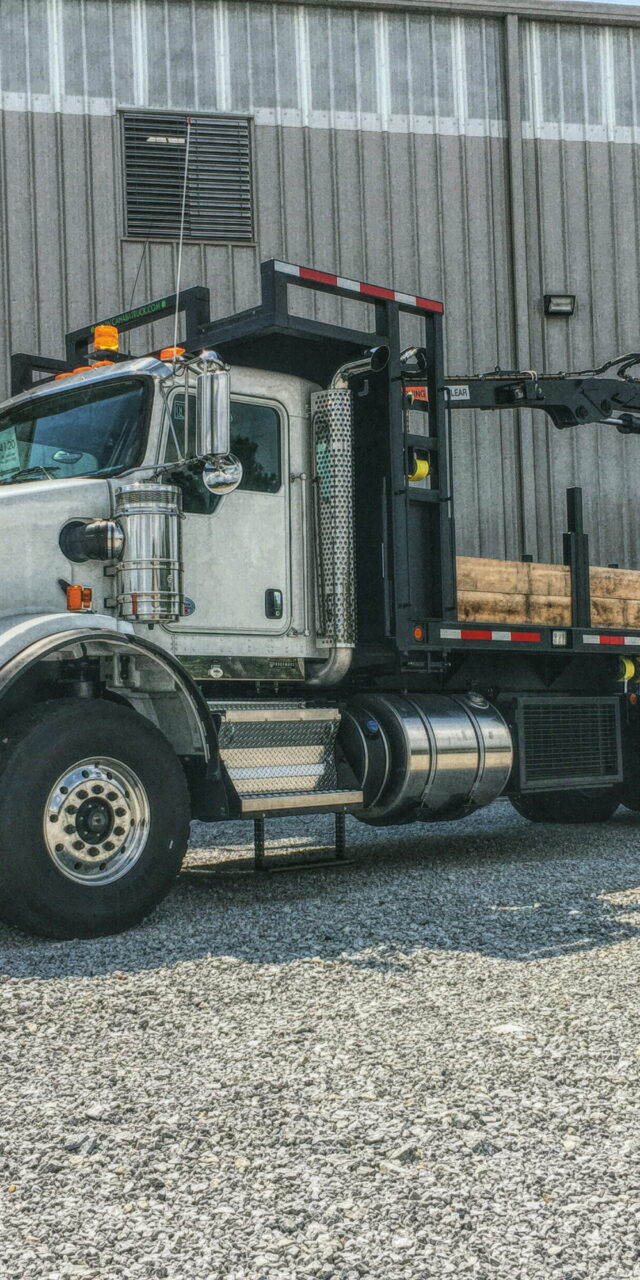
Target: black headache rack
{"x":404,"y":532}
{"x":404,"y":539}
{"x":193,"y":303}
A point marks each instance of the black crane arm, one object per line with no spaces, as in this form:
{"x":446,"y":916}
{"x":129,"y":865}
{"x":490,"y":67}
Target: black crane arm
{"x":569,"y":399}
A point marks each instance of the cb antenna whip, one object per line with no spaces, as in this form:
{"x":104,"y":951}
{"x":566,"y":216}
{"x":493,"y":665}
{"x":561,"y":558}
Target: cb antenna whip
{"x":182,"y":216}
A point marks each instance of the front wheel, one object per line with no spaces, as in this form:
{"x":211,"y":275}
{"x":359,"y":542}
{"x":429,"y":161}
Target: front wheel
{"x":94,"y":818}
{"x":588,"y":805}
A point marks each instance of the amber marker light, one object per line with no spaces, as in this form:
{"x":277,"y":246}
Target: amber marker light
{"x":106,"y":338}
{"x":418,"y":633}
{"x":171,"y":353}
{"x":78,"y":598}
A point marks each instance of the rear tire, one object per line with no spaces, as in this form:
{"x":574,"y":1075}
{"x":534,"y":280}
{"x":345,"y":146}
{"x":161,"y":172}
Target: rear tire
{"x":567,"y":806}
{"x":94,"y":818}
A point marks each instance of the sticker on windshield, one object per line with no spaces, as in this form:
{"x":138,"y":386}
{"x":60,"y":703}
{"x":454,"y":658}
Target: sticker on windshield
{"x":9,"y":454}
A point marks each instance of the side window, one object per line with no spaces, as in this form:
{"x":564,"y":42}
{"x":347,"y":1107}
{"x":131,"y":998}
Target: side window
{"x":256,"y":439}
{"x":181,"y":438}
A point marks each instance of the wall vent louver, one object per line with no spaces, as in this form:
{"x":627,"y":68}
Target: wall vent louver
{"x":219,"y":204}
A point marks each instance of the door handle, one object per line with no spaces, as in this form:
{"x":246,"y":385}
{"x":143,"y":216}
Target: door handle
{"x":273,"y":602}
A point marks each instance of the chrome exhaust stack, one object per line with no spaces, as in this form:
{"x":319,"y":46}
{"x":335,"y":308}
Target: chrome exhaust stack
{"x":332,"y":432}
{"x":373,"y":360}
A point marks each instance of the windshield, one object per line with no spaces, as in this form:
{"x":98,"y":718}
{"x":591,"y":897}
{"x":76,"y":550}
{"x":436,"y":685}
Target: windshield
{"x":84,"y":431}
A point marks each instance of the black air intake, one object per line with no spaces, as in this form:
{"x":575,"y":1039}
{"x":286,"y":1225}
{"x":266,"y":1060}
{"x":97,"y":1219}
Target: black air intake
{"x":568,"y":742}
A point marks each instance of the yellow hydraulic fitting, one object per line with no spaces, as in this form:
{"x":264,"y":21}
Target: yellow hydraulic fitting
{"x":626,"y":670}
{"x":421,"y":469}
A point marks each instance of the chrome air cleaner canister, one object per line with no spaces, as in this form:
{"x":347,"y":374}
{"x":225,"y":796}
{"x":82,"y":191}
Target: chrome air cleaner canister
{"x":149,"y":574}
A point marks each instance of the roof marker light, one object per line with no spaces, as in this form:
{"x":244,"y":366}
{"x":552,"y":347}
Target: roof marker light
{"x":106,"y":338}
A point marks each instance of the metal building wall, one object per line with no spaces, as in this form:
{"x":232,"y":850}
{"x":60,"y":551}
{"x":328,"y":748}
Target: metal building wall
{"x":445,"y":153}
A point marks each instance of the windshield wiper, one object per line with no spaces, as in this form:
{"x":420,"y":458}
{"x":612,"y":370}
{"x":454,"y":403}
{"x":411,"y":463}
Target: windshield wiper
{"x":25,"y":473}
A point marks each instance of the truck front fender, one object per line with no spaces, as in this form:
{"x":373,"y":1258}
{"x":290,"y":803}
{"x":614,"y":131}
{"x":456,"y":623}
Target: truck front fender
{"x":20,"y":631}
{"x":166,"y":693}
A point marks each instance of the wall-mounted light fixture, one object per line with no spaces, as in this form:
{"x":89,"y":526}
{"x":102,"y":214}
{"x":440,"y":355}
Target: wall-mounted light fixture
{"x":559,"y":304}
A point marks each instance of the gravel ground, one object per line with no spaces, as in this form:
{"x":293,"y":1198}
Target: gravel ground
{"x":422,"y":1064}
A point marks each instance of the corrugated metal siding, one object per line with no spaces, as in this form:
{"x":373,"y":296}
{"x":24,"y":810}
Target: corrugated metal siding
{"x":381,"y":152}
{"x":580,"y":82}
{"x":286,"y":64}
{"x":581,"y":109}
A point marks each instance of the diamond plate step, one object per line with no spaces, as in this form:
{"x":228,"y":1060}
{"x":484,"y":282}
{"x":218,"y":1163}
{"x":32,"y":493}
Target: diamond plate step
{"x":255,"y":806}
{"x":280,"y":758}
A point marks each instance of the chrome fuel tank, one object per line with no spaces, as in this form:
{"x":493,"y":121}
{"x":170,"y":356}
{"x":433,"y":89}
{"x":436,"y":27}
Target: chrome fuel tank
{"x":425,"y":757}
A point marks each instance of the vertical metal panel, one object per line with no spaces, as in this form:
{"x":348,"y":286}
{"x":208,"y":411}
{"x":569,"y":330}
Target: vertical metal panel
{"x":374,"y":201}
{"x":580,"y":106}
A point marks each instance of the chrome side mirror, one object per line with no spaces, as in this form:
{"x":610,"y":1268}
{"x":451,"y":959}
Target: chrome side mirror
{"x":222,"y":475}
{"x":222,"y":471}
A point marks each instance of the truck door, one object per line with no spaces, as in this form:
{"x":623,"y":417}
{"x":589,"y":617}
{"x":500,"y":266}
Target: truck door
{"x":236,"y":549}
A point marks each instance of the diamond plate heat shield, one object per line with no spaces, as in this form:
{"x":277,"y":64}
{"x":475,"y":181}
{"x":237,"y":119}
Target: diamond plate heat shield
{"x":334,"y":543}
{"x":280,"y":754}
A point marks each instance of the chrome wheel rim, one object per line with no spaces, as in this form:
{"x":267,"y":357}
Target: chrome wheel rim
{"x":96,"y":821}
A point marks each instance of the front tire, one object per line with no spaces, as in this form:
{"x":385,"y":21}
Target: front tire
{"x":566,"y":806}
{"x":94,"y":818}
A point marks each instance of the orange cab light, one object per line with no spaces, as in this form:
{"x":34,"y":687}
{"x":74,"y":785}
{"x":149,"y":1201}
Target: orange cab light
{"x":418,"y":633}
{"x":171,"y":353}
{"x":78,"y":598}
{"x":106,"y":338}
{"x":82,"y":368}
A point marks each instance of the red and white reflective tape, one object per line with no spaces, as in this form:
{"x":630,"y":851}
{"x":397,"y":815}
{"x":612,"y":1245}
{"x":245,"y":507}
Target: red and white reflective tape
{"x":615,"y":640}
{"x":356,"y":286}
{"x":466,"y":633}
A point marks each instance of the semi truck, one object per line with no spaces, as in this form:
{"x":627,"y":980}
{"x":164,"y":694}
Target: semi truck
{"x":230,"y":590}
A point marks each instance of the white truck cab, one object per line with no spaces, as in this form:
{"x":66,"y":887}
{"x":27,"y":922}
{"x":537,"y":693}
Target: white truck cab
{"x":63,"y":449}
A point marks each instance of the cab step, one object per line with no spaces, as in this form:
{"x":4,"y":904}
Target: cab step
{"x":299,"y":802}
{"x":280,"y":758}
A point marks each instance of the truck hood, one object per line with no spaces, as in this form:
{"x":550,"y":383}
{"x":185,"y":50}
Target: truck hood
{"x":32,"y":565}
